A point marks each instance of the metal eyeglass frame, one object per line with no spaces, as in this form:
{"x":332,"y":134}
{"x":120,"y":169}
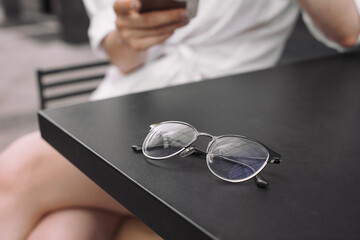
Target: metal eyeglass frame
{"x":272,"y":158}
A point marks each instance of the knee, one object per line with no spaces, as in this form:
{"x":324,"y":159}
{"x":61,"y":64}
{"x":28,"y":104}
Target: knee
{"x":18,"y":163}
{"x":75,"y":224}
{"x":47,"y":229}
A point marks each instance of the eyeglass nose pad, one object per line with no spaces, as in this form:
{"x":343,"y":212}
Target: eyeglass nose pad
{"x":187,"y":151}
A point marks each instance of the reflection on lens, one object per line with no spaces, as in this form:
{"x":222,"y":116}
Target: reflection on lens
{"x":167,"y":139}
{"x":235,"y":158}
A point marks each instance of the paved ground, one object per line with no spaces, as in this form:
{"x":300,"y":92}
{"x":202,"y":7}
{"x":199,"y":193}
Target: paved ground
{"x":23,"y":49}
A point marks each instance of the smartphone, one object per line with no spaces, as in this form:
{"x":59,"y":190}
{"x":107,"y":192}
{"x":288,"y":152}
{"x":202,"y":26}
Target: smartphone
{"x":158,"y":5}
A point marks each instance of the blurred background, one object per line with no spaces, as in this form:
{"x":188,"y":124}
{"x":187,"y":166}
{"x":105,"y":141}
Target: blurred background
{"x":47,"y":34}
{"x":35,"y":34}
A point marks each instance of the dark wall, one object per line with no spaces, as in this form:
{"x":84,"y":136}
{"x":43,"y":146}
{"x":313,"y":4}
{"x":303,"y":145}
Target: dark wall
{"x":12,"y":8}
{"x":74,"y":20}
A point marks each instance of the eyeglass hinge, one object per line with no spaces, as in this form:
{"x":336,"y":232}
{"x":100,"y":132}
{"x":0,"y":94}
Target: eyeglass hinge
{"x":275,"y":160}
{"x":136,"y":148}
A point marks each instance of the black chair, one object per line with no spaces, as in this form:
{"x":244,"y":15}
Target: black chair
{"x":61,"y":86}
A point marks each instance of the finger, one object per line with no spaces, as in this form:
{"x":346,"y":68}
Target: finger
{"x":155,"y":19}
{"x":128,"y":34}
{"x":141,"y":44}
{"x":123,"y":7}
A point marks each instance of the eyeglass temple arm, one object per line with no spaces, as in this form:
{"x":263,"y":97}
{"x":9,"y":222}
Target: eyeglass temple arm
{"x":274,"y":158}
{"x":138,"y":148}
{"x":260,"y":181}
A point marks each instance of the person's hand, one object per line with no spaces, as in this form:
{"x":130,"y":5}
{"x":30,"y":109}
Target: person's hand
{"x":140,"y":31}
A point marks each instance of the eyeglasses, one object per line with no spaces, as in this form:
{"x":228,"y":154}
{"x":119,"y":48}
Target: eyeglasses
{"x":232,"y":158}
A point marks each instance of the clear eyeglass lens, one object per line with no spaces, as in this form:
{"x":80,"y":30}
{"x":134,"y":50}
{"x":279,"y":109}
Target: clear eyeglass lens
{"x":236,"y":158}
{"x":167,"y":139}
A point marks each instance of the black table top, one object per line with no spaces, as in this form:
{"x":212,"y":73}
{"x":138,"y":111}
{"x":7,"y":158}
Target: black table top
{"x":308,"y":112}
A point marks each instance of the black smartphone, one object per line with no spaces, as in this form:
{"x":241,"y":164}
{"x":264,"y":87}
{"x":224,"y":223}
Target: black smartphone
{"x":158,"y":5}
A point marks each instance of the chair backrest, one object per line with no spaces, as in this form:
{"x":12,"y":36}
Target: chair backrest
{"x":65,"y":85}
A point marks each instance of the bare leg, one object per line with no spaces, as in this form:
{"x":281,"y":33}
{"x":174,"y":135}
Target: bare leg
{"x":132,"y":228}
{"x":35,"y":180}
{"x":77,"y":224}
{"x":90,"y":224}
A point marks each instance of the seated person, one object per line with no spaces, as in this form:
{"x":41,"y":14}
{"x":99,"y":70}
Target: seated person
{"x":42,"y":196}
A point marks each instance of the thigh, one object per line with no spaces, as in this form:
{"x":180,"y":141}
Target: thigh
{"x":31,"y":169}
{"x":132,"y":228}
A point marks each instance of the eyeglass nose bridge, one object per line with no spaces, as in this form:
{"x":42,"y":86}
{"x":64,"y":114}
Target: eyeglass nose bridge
{"x":206,"y":135}
{"x":191,"y":149}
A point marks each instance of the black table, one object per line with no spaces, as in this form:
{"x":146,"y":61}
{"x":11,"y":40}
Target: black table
{"x":308,"y":112}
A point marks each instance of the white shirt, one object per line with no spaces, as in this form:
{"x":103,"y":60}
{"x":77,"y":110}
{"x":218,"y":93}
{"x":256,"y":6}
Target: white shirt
{"x":226,"y":37}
